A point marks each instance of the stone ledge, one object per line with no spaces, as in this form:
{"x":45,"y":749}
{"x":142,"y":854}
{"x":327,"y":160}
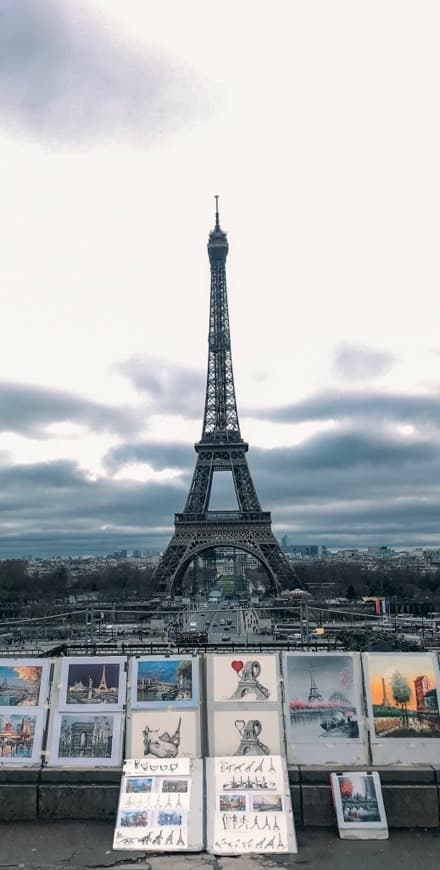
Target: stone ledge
{"x":92,"y":802}
{"x":18,"y":803}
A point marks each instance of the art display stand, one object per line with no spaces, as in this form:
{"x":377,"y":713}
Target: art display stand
{"x":161,"y":806}
{"x":249,"y":806}
{"x":360,"y":812}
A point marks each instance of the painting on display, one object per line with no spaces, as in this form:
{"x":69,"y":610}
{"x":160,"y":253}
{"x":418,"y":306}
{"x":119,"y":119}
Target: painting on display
{"x":360,"y":811}
{"x":163,"y":734}
{"x":81,"y":739}
{"x":92,"y":683}
{"x":161,"y":681}
{"x":245,"y":678}
{"x":249,"y":806}
{"x":322,"y":698}
{"x":403,"y":695}
{"x":23,"y":682}
{"x":247,"y":732}
{"x":21,"y":734}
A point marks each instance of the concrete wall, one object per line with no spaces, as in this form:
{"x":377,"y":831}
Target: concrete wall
{"x":411,"y":795}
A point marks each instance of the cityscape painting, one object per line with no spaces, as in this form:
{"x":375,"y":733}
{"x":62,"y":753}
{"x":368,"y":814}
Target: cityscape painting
{"x":161,"y":682}
{"x":403,"y":695}
{"x":17,"y":735}
{"x":92,"y":683}
{"x":84,"y":738}
{"x":357,"y":797}
{"x":20,"y":685}
{"x":322,"y":700}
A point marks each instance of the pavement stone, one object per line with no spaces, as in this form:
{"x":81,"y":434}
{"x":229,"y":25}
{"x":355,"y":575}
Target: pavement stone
{"x":88,"y":846}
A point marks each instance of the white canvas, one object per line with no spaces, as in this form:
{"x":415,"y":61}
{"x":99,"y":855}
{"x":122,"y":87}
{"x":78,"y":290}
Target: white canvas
{"x":163,"y":734}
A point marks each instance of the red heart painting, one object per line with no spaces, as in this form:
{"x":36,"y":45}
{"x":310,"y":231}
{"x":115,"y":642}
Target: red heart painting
{"x":237,"y":666}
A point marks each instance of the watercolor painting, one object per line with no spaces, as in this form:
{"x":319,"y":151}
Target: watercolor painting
{"x":321,"y":698}
{"x":403,"y":693}
{"x":135,"y":818}
{"x":164,"y":680}
{"x":267,"y":803}
{"x":173,"y":786}
{"x":232,"y":803}
{"x":20,"y":685}
{"x":17,"y":734}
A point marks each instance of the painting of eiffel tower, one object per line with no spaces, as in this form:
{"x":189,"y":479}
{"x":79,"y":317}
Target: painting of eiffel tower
{"x":93,"y":683}
{"x":321,"y":698}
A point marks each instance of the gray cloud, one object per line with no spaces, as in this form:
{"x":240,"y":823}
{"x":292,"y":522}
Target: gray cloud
{"x":359,"y":363}
{"x":29,"y":409}
{"x":159,"y":455}
{"x":66,"y":78}
{"x":356,"y":405}
{"x":171,"y":389}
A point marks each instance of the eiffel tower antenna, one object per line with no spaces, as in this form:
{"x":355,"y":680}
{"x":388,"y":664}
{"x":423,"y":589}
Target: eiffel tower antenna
{"x":221,"y":448}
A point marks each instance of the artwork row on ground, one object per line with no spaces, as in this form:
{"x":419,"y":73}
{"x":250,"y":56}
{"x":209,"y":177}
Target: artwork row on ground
{"x":315,"y":708}
{"x":163,"y":809}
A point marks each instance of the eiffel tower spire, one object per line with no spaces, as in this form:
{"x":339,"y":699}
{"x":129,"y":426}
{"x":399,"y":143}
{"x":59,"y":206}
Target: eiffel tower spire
{"x":221,"y":448}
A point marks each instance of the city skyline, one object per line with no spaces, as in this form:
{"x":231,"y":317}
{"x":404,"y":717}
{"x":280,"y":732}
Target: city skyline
{"x":326,"y":165}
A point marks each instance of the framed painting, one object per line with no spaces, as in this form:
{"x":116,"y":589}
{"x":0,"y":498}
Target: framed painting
{"x":86,"y":739}
{"x":24,"y":682}
{"x":163,"y":734}
{"x":323,"y":710}
{"x":92,"y":683}
{"x":357,"y":796}
{"x":403,"y":706}
{"x":165,"y":681}
{"x":21,"y":735}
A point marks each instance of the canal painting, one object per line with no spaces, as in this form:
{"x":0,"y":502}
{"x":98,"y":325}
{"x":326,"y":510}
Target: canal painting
{"x":17,"y":733}
{"x":93,"y":683}
{"x":20,"y":685}
{"x":321,"y":698}
{"x":168,"y":680}
{"x":403,"y":693}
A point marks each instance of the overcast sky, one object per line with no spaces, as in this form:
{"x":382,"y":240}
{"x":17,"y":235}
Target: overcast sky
{"x":318,"y":125}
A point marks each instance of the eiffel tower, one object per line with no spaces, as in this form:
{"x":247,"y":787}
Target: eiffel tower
{"x":221,"y":448}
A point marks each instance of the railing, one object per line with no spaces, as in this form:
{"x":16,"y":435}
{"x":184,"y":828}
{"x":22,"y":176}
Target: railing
{"x":224,"y":516}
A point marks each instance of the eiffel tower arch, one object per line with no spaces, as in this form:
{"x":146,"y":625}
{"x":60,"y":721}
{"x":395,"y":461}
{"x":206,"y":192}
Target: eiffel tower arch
{"x":221,"y":448}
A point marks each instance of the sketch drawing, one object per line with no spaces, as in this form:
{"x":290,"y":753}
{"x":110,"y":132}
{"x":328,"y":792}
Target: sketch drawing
{"x":93,"y":683}
{"x":321,"y":698}
{"x":161,"y":744}
{"x":248,"y":684}
{"x":250,"y":744}
{"x":17,"y":733}
{"x":20,"y":685}
{"x":164,"y":680}
{"x":404,"y":696}
{"x":85,"y":736}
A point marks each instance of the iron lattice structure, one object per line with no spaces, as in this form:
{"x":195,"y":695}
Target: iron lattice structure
{"x":221,"y":448}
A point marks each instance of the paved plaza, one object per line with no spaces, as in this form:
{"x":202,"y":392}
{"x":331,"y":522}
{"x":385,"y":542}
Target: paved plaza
{"x":88,"y":846}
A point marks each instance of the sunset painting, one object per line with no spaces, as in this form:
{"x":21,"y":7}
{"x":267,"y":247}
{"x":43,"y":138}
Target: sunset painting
{"x":404,"y":696}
